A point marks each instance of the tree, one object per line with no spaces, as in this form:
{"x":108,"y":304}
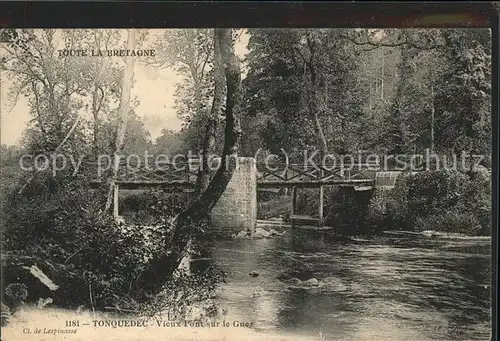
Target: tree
{"x":189,"y":52}
{"x":59,"y":86}
{"x":52,"y":86}
{"x":193,"y":52}
{"x":442,"y":92}
{"x":163,"y":265}
{"x":404,"y":124}
{"x":463,"y":92}
{"x":102,"y":78}
{"x":273,"y":90}
{"x":203,"y":179}
{"x":137,"y":139}
{"x":123,"y":113}
{"x":168,"y":143}
{"x":304,"y":80}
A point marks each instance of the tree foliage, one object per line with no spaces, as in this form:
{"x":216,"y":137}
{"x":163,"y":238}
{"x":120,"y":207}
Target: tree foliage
{"x":376,"y":89}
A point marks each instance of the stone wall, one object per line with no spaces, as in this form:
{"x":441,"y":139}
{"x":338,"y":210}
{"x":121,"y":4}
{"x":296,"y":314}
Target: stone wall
{"x":236,"y":210}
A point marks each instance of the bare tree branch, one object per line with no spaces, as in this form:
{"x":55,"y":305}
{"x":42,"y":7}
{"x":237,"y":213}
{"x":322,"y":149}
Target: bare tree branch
{"x":377,"y":44}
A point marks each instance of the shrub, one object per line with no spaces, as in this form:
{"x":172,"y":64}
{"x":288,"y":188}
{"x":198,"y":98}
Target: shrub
{"x":150,"y":206}
{"x":443,"y":200}
{"x":65,"y":226}
{"x":62,"y":222}
{"x":452,"y":221}
{"x":432,"y":191}
{"x":188,"y":296}
{"x":378,"y":206}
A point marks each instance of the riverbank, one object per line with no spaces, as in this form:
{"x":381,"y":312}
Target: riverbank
{"x":399,"y":285}
{"x":443,"y":201}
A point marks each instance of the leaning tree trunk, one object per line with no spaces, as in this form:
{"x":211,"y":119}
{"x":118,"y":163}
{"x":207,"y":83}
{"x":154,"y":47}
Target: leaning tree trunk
{"x":203,"y":179}
{"x":163,"y":266}
{"x":123,"y":112}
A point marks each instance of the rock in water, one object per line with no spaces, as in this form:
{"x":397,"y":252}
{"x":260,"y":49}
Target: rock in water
{"x":241,"y":235}
{"x":258,"y":235}
{"x":335,"y":284}
{"x":253,"y":273}
{"x":262,"y":232}
{"x":273,"y":232}
{"x":302,"y":274}
{"x":429,"y":233}
{"x":312,"y":282}
{"x":295,"y":281}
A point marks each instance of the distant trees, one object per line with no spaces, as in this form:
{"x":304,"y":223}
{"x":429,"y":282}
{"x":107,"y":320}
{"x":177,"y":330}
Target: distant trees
{"x":195,"y":55}
{"x":379,"y":90}
{"x":334,"y":89}
{"x":170,"y":142}
{"x":304,"y":80}
{"x":190,"y":52}
{"x":443,"y":96}
{"x":51,"y":84}
{"x":463,"y":92}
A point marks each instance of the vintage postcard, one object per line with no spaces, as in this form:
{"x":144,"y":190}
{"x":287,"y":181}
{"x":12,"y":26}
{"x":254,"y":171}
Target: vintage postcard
{"x":246,"y":184}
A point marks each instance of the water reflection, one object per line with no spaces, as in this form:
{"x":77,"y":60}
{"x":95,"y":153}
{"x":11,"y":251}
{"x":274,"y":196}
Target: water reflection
{"x":391,"y":288}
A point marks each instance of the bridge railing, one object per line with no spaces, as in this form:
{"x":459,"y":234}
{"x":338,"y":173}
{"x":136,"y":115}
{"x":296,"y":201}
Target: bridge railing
{"x":132,"y":171}
{"x":316,"y":173}
{"x":267,"y":173}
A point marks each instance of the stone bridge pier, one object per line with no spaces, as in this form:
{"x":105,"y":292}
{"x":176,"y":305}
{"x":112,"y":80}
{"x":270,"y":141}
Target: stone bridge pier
{"x":236,"y":210}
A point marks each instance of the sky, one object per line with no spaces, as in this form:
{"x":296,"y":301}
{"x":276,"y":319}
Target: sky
{"x":153,"y":88}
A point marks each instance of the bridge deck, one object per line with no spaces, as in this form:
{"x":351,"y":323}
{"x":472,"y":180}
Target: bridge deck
{"x":304,"y":219}
{"x":174,"y":186}
{"x":314,"y":228}
{"x":184,"y":185}
{"x":304,"y":222}
{"x":306,"y":183}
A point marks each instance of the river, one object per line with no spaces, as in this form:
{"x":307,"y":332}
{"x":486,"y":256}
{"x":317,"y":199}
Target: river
{"x":396,"y":286}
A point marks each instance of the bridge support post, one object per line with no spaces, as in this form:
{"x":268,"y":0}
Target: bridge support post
{"x":294,"y":200}
{"x":236,"y":209}
{"x":320,"y":204}
{"x":116,"y":190}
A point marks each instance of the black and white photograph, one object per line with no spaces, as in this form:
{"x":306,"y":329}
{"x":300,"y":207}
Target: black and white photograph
{"x":281,"y":184}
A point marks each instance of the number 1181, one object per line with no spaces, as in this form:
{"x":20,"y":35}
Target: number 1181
{"x":73,"y":323}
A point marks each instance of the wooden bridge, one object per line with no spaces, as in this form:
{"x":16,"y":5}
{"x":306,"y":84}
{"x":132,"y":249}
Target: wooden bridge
{"x":181,"y":177}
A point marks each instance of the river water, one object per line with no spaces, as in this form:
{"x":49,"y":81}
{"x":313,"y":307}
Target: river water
{"x":396,"y":286}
